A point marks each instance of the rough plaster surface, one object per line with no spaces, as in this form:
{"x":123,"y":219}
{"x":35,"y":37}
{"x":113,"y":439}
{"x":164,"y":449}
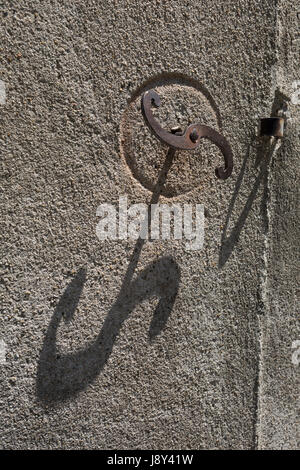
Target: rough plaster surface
{"x":124,"y":344}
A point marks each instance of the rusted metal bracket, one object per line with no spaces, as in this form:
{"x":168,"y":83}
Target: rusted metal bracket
{"x":272,"y":126}
{"x":190,"y":138}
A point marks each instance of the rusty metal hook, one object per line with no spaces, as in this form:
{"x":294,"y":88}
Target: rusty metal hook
{"x":188,"y":140}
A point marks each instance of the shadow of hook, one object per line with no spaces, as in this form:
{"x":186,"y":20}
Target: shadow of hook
{"x":60,"y":377}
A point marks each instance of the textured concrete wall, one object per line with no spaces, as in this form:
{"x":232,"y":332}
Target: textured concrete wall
{"x":130,"y":344}
{"x":279,"y":405}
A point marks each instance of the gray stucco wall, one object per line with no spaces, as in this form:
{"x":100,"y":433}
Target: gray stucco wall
{"x":129,"y":344}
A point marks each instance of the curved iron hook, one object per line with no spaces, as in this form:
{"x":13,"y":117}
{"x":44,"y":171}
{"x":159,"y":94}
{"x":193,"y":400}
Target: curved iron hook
{"x":188,"y":140}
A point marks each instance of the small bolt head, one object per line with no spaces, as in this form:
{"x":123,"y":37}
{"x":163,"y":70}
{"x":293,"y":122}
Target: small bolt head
{"x":194,"y":136}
